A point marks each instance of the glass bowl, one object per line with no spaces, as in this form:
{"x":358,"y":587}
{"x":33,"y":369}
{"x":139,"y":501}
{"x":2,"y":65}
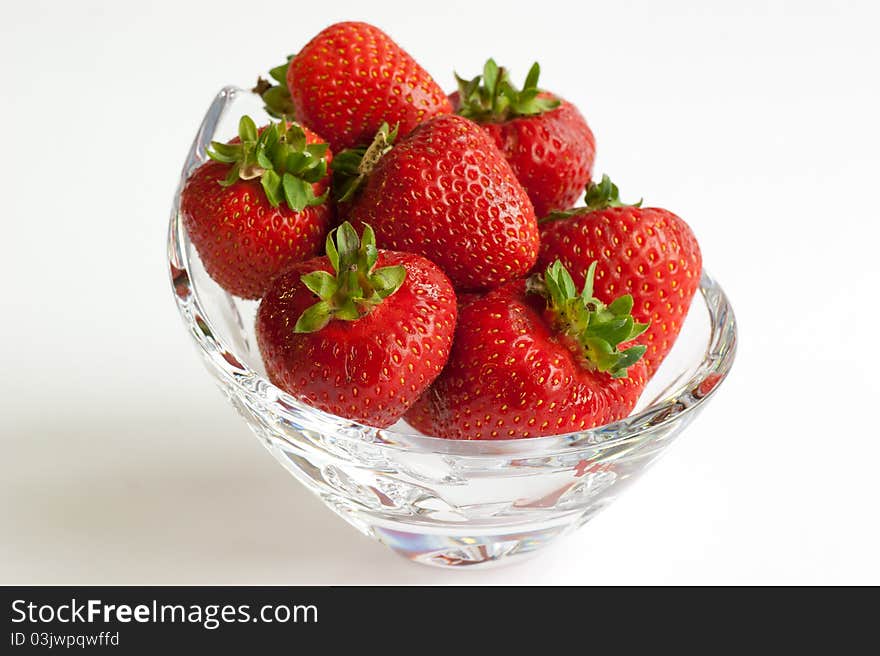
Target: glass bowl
{"x":440,"y":502}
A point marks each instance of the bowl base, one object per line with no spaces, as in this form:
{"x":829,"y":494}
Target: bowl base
{"x":472,"y":551}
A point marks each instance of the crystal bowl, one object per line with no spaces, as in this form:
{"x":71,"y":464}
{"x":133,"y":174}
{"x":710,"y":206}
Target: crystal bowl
{"x":441,"y":502}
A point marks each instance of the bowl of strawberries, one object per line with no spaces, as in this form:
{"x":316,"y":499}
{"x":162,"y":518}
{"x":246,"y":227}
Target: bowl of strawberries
{"x":428,"y":308}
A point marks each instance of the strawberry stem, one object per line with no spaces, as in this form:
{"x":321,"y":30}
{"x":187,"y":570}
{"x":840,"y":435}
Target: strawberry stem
{"x":595,"y":328}
{"x":351,"y":167}
{"x":280,"y":157}
{"x":599,"y":196}
{"x":492,"y":98}
{"x":357,"y":287}
{"x":605,"y":194}
{"x":276,"y":96}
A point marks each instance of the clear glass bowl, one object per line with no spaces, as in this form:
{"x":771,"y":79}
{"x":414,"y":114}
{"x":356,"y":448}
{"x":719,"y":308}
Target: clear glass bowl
{"x":441,"y":502}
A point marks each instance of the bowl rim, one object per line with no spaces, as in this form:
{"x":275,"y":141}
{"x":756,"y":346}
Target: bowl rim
{"x":676,"y":400}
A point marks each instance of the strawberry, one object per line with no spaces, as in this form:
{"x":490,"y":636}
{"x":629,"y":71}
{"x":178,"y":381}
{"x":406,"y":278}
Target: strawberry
{"x":645,"y":251}
{"x":534,"y":358}
{"x":360,"y":332}
{"x":259,"y":205}
{"x":545,"y":138}
{"x":351,"y":78}
{"x":464,"y":298}
{"x":447,"y":193}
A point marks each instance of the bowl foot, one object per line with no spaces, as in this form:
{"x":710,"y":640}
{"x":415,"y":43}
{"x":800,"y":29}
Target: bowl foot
{"x":474,"y":551}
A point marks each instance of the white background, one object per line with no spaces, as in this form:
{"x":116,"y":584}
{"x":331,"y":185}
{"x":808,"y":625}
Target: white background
{"x":756,"y":122}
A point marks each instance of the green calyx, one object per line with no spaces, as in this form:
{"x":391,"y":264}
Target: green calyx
{"x":279,"y":155}
{"x":596,"y":328}
{"x":276,"y":96}
{"x":352,"y":166}
{"x":491,"y":97}
{"x":605,"y":194}
{"x":358,"y":285}
{"x":599,"y":196}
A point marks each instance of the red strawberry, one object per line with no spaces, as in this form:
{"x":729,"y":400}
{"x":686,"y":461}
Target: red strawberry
{"x":644,"y":251}
{"x":465,"y":298}
{"x":259,"y":206}
{"x":535,"y":358}
{"x":351,"y":78}
{"x":546,"y":140}
{"x":358,"y":341}
{"x":445,"y":192}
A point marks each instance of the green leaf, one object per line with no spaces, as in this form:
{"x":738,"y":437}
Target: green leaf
{"x":637,"y":329}
{"x":344,"y":190}
{"x":271,"y":182}
{"x":525,"y":97}
{"x":332,"y":253}
{"x":296,"y":192}
{"x":225,"y":148}
{"x":490,"y":75}
{"x":226,"y":153}
{"x":217,"y":157}
{"x":321,"y":283}
{"x":232,"y":176}
{"x":356,"y":288}
{"x":598,"y":328}
{"x":493,"y":98}
{"x":532,"y":78}
{"x":602,"y":348}
{"x":527,"y":103}
{"x":554,"y":292}
{"x":388,"y":280}
{"x":279,"y":73}
{"x":279,"y":156}
{"x":296,"y":137}
{"x":467,"y":89}
{"x":276,"y":96}
{"x":348,"y":160}
{"x":314,"y":318}
{"x":263,"y":159}
{"x":566,"y":284}
{"x":621,"y":305}
{"x":587,"y":292}
{"x":296,"y":161}
{"x":368,"y":236}
{"x":346,"y":241}
{"x":317,"y":150}
{"x":603,"y":194}
{"x":541,"y":105}
{"x":247,"y":129}
{"x":351,"y":167}
{"x":627,"y":359}
{"x":314,"y":171}
{"x":560,"y":214}
{"x":318,"y":200}
{"x":368,"y":244}
{"x":270,"y":137}
{"x":278,"y":102}
{"x":614,"y":331}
